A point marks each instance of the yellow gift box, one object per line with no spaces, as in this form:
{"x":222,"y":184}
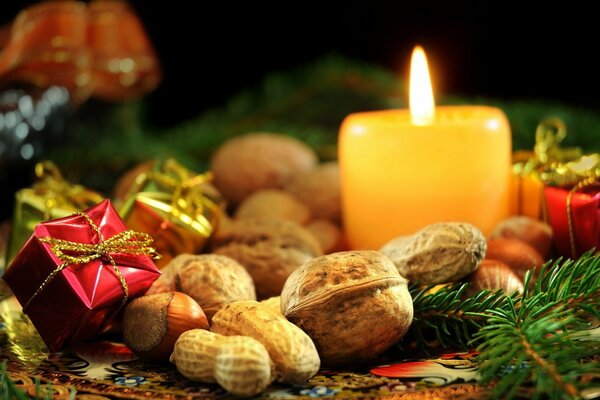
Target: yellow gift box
{"x":177,"y":207}
{"x":51,"y":196}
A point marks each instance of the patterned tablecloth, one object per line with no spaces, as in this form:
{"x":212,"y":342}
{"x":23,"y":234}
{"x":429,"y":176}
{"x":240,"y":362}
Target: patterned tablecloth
{"x":106,"y":369}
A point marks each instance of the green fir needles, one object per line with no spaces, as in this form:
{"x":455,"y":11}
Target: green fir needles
{"x":548,"y":337}
{"x":543,"y":343}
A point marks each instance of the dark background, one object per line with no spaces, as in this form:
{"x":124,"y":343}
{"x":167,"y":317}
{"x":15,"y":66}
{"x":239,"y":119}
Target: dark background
{"x":491,"y":49}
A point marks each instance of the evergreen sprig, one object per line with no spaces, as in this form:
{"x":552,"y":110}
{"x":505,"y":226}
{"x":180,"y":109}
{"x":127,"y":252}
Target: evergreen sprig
{"x":445,"y":317}
{"x":539,"y":344}
{"x":544,"y":336}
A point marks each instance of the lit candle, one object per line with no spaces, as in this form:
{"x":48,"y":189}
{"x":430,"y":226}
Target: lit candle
{"x":402,"y":170}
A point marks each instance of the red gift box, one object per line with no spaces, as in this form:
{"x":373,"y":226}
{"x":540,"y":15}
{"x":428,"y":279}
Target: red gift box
{"x":75,"y":273}
{"x":575,"y":218}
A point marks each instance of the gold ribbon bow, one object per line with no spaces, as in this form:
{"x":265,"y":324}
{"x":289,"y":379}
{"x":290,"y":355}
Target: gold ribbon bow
{"x":549,"y":134}
{"x":73,"y":253}
{"x":187,"y":196}
{"x":564,"y":167}
{"x":56,"y":191}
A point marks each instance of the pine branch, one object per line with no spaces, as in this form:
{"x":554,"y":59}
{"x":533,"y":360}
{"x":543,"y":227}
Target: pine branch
{"x":445,"y":317}
{"x":545,"y":337}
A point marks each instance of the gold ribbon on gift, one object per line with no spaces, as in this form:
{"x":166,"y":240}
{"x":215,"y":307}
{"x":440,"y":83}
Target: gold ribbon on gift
{"x":187,"y":196}
{"x":564,"y":167}
{"x":577,"y":175}
{"x":567,"y":174}
{"x":58,"y":192}
{"x":98,"y":49}
{"x":75,"y":253}
{"x":528,"y":166}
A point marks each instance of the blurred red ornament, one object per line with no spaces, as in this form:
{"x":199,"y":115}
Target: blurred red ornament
{"x":98,"y":49}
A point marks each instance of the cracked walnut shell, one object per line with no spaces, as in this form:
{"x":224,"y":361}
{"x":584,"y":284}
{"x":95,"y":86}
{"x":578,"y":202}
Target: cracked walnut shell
{"x":354,"y":305}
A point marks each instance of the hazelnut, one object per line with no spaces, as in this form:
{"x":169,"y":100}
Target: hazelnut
{"x":518,"y":255}
{"x":152,"y":324}
{"x":535,"y":233}
{"x":494,"y":275}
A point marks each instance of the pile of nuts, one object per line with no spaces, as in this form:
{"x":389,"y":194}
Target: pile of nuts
{"x":283,"y":245}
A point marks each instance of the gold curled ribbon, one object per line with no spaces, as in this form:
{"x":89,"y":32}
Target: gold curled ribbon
{"x":570,"y":173}
{"x":185,"y":186}
{"x":72,"y":253}
{"x":549,"y":134}
{"x":581,"y":185}
{"x":556,"y":165}
{"x":56,"y":191}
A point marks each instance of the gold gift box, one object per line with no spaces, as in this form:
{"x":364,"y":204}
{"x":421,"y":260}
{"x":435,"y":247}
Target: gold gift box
{"x":177,"y":207}
{"x":51,"y":196}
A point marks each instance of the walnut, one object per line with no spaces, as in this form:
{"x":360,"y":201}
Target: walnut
{"x":319,"y":189}
{"x":354,"y":305}
{"x":212,"y":280}
{"x":245,"y":164}
{"x":269,"y":249}
{"x":328,"y":234}
{"x":273,"y":203}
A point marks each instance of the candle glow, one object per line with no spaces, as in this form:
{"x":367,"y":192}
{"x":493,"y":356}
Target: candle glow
{"x":422,"y":105}
{"x":404,"y":169}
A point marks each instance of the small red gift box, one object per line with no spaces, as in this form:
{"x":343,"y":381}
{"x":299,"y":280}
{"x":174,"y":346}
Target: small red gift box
{"x":574,"y":215}
{"x":75,"y":273}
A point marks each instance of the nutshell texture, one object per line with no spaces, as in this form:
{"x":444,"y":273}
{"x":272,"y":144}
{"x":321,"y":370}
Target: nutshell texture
{"x":354,"y":305}
{"x":438,"y":253}
{"x":245,"y":164}
{"x":210,"y":279}
{"x":535,"y":233}
{"x":319,"y":188}
{"x":273,"y":203}
{"x":292,"y":351}
{"x":328,"y":234}
{"x":269,"y":249}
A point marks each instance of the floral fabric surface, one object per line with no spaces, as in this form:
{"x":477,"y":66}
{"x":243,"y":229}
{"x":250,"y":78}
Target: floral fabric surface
{"x":106,"y":369}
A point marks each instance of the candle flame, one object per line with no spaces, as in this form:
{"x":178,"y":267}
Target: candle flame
{"x":422,"y":105}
